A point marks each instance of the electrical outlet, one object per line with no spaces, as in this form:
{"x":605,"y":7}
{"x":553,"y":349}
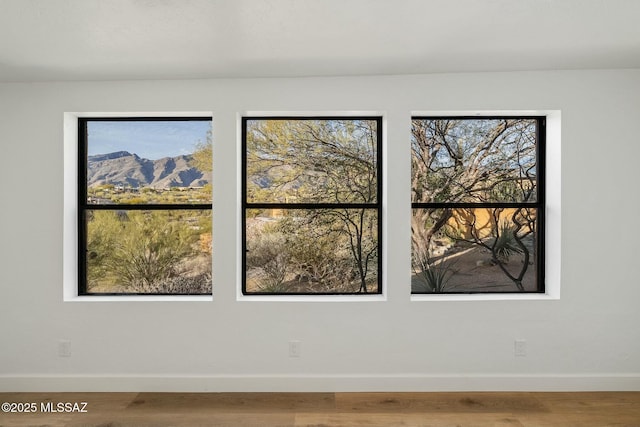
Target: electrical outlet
{"x":64,"y":348}
{"x":520,"y":348}
{"x":295,"y":348}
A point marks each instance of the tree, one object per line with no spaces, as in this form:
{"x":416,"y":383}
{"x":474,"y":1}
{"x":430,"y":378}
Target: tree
{"x":468,"y":161}
{"x":508,"y":230}
{"x":323,"y":174}
{"x":202,"y":159}
{"x":202,"y":156}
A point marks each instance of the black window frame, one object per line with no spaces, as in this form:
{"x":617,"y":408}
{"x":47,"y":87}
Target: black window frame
{"x":377,"y":206}
{"x":84,"y":206}
{"x":539,"y":204}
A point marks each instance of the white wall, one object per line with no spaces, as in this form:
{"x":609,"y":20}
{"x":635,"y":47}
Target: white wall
{"x":587,"y":339}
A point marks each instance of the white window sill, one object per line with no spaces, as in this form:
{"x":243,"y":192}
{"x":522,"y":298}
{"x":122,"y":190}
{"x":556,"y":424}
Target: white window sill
{"x":484,"y":297}
{"x":140,"y":298}
{"x":312,"y":298}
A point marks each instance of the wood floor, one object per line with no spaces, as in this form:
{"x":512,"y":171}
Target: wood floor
{"x":329,"y":409}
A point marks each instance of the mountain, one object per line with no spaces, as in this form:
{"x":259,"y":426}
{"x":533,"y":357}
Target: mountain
{"x":124,"y":168}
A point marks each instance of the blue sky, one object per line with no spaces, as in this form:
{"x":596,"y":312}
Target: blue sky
{"x":148,"y":139}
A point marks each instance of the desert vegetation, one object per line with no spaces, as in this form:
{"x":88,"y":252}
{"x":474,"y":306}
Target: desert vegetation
{"x":152,"y":238}
{"x":311,"y":218}
{"x":138,"y":251}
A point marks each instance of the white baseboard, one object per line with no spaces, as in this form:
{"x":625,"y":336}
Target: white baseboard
{"x":317,"y":383}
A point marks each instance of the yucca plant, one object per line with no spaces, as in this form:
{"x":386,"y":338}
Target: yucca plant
{"x":505,"y":245}
{"x":435,"y":274}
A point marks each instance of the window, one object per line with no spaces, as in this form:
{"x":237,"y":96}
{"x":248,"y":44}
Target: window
{"x":311,"y":205}
{"x":478,"y":201}
{"x":144,"y":206}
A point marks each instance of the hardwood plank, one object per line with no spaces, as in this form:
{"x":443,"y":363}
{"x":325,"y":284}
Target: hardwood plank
{"x":95,"y":401}
{"x":186,"y":420}
{"x":439,"y":402}
{"x":592,"y":402}
{"x":579,"y":420}
{"x":233,"y":402}
{"x":377,"y":419}
{"x":33,"y":420}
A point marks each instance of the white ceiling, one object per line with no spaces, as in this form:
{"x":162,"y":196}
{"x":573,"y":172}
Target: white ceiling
{"x":47,"y":40}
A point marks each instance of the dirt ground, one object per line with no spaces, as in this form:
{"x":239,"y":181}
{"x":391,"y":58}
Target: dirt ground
{"x":472,"y":271}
